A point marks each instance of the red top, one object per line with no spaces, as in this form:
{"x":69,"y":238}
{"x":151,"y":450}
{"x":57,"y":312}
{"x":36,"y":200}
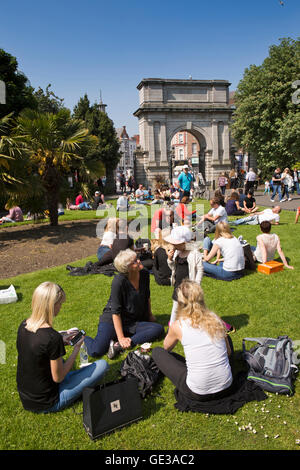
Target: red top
{"x":182,"y":211}
{"x":79,"y":200}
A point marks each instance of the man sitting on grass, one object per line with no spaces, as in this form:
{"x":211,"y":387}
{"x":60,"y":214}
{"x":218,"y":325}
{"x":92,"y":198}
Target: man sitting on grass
{"x":216,"y":214}
{"x":272,"y":215}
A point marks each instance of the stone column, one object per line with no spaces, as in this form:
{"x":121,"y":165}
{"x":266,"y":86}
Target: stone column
{"x":215,"y":142}
{"x":163,"y":144}
{"x":151,"y":144}
{"x":226,"y":157}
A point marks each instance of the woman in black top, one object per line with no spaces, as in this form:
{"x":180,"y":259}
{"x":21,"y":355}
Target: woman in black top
{"x":45,"y":382}
{"x":127,"y":319}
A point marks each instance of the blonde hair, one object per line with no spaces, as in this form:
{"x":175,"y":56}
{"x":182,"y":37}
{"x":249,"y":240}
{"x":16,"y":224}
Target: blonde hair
{"x":44,"y":299}
{"x":123,"y":260}
{"x":112,"y":225}
{"x":223,"y":230}
{"x":191,"y":306}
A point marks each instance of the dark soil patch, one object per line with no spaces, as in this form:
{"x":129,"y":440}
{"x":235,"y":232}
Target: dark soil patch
{"x":27,"y":248}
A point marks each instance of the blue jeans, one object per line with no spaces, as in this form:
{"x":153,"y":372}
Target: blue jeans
{"x":101,"y":251}
{"x":207,"y":244}
{"x":286,"y":191}
{"x":296,"y":187}
{"x":70,"y":389}
{"x":276,"y":189}
{"x":145,"y":331}
{"x":251,"y":220}
{"x":218,"y":272}
{"x":84,"y":206}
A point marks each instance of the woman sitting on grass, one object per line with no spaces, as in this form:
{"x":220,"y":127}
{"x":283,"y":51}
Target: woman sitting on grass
{"x":267,"y":245}
{"x":232,"y":267}
{"x":127,"y":319}
{"x":45,"y":381}
{"x":205,"y":373}
{"x":109,"y":235}
{"x":14,"y":215}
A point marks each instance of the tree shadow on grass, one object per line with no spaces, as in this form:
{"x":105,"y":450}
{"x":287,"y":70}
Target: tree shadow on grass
{"x":70,"y":231}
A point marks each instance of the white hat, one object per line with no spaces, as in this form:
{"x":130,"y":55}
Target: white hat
{"x":185,"y":166}
{"x":179,"y":235}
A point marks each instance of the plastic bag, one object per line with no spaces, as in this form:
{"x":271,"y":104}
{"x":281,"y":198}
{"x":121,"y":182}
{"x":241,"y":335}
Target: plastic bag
{"x":8,"y":296}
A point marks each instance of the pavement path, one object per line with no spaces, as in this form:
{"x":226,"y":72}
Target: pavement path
{"x":264,"y":200}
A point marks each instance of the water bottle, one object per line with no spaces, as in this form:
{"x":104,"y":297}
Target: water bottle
{"x":83,"y":355}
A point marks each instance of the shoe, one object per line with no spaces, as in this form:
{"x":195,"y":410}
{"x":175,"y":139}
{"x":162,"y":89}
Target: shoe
{"x":272,"y":200}
{"x":114,"y":349}
{"x":282,"y":200}
{"x":231,"y":330}
{"x":289,"y":199}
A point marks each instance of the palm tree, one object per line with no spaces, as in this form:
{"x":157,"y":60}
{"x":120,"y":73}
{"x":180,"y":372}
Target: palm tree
{"x":9,"y":155}
{"x":51,"y":143}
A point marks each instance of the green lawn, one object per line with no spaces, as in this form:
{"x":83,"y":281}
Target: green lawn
{"x":257,"y":305}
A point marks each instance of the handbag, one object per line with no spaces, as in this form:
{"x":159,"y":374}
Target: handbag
{"x":110,"y":406}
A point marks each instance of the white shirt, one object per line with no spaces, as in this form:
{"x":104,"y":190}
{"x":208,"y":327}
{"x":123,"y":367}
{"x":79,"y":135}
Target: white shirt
{"x":108,"y":238}
{"x":208,"y":368}
{"x":139,"y":194}
{"x":270,"y":240}
{"x":232,"y":252}
{"x":251,"y":176}
{"x":269,"y":215}
{"x":221,"y":212}
{"x":122,"y":202}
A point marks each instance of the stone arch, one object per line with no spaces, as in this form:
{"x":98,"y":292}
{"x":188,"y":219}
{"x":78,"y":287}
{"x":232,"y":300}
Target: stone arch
{"x":167,"y":106}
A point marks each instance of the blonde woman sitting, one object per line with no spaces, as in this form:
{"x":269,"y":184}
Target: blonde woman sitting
{"x":205,"y":373}
{"x":45,"y":381}
{"x":233,"y":264}
{"x":127,"y":319}
{"x":109,"y":235}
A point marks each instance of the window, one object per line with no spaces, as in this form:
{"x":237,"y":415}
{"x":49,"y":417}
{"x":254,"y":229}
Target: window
{"x":194,"y":149}
{"x":180,"y":138}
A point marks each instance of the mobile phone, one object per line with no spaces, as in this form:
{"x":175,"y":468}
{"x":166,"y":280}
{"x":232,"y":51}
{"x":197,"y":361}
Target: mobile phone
{"x":77,"y":337}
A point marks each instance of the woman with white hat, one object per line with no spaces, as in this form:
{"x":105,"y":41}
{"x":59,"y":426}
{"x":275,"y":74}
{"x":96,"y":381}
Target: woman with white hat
{"x":184,"y":263}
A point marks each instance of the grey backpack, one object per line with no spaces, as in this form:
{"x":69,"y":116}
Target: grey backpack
{"x":272,"y":364}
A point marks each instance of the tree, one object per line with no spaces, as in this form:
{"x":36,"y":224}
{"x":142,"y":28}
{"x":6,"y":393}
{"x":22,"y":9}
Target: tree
{"x":266,"y":122}
{"x":47,"y":101}
{"x":19,"y":93}
{"x":51,"y":143}
{"x":107,"y":148}
{"x":102,"y":126}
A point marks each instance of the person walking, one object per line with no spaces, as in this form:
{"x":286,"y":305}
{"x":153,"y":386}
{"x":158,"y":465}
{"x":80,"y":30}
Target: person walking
{"x":276,"y":180}
{"x":185,"y":180}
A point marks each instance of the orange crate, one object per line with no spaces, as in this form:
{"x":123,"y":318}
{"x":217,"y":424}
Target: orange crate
{"x":270,"y":267}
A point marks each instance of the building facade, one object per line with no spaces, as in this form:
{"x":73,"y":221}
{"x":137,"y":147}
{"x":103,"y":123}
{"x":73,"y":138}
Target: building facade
{"x":127,"y":148}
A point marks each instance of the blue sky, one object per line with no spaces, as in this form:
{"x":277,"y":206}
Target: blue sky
{"x":87,"y":46}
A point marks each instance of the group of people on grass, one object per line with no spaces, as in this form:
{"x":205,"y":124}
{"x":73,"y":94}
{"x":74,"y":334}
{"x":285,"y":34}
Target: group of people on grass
{"x":47,"y":383}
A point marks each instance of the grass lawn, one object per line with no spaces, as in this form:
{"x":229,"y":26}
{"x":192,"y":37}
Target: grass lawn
{"x":257,"y":305}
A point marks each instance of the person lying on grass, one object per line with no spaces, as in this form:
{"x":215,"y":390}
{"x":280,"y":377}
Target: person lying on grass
{"x":45,"y":381}
{"x":267,"y":245}
{"x":272,"y":215}
{"x":205,"y":372}
{"x":127,"y":319}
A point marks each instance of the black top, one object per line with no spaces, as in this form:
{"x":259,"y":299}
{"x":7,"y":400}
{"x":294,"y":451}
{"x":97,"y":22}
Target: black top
{"x":36,"y":387}
{"x":160,"y":268}
{"x":276,"y":179}
{"x":249,"y":202}
{"x":119,"y":244}
{"x":181,"y":273}
{"x":131,"y":304}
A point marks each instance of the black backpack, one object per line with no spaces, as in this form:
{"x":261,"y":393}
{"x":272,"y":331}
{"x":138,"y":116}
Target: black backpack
{"x":142,"y":367}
